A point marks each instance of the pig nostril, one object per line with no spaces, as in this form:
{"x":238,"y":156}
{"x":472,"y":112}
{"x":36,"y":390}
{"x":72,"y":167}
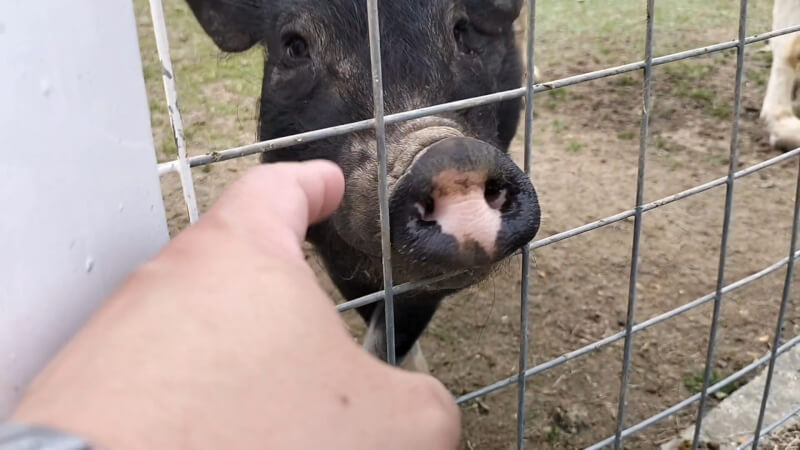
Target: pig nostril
{"x":495,"y":194}
{"x":425,"y":210}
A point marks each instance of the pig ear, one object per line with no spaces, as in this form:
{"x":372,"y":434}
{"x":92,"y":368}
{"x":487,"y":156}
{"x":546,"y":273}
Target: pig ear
{"x":234,"y":25}
{"x":493,"y":16}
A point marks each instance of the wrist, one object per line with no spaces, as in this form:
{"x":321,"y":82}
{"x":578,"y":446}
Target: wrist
{"x":19,"y":436}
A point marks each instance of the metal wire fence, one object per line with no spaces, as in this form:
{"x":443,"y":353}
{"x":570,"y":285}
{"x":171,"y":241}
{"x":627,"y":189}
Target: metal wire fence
{"x":183,"y":165}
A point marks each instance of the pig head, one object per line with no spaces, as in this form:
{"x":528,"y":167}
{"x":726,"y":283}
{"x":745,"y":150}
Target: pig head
{"x":457,"y":202}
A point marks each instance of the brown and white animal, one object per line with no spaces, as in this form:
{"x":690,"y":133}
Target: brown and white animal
{"x":781,"y":104}
{"x":457,"y":201}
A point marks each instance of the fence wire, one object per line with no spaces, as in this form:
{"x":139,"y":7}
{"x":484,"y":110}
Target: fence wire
{"x":171,"y":94}
{"x":183,"y":165}
{"x":733,"y":163}
{"x":637,"y":227}
{"x":526,"y":255}
{"x":770,"y":428}
{"x":383,"y":198}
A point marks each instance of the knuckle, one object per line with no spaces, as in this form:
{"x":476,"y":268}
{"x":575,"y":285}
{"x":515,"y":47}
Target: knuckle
{"x":276,"y":172}
{"x":436,"y":407}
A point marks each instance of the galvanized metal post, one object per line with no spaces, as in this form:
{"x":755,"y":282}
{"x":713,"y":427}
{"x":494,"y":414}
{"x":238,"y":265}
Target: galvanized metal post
{"x":637,"y":226}
{"x":526,"y":263}
{"x":380,"y":137}
{"x":171,"y":92}
{"x":787,"y":287}
{"x":733,"y":164}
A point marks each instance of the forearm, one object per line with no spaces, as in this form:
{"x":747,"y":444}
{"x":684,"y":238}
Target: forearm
{"x":222,"y":328}
{"x":225,"y":340}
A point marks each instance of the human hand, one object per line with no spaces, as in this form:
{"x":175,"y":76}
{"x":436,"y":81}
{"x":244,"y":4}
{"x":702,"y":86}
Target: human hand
{"x":225,"y":340}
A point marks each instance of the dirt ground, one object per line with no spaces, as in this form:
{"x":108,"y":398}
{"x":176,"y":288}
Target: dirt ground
{"x":788,"y":439}
{"x":585,"y":158}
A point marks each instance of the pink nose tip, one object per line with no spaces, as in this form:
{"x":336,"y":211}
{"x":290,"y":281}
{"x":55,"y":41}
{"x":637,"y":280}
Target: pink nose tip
{"x":467,"y":209}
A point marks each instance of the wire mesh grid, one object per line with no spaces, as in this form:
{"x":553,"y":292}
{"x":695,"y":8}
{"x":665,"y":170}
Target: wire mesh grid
{"x":183,"y":164}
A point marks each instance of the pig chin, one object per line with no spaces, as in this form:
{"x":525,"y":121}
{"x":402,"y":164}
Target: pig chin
{"x":404,"y":271}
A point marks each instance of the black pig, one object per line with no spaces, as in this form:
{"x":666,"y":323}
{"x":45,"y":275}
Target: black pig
{"x":457,"y":202}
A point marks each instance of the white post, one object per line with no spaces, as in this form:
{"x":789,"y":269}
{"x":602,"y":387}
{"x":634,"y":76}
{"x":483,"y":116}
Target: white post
{"x":80,"y":200}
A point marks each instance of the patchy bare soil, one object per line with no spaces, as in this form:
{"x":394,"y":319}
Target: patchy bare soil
{"x":585,"y":159}
{"x":787,"y":439}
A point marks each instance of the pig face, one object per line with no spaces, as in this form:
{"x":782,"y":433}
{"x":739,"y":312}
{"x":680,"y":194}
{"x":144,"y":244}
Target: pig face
{"x":456,"y":200}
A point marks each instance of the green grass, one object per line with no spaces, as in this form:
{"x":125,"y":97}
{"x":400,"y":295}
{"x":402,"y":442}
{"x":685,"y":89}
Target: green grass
{"x":688,"y":77}
{"x":705,"y":98}
{"x":216,"y":92}
{"x":660,"y":142}
{"x":721,"y":160}
{"x":720,"y":110}
{"x":616,"y":28}
{"x":557,"y":95}
{"x":693,"y":382}
{"x":687,"y":80}
{"x":553,"y":435}
{"x":443,"y":334}
{"x":167,"y":145}
{"x":764,"y":57}
{"x":666,"y":157}
{"x":694,"y":70}
{"x":574,"y":146}
{"x":700,"y":94}
{"x":624,"y":80}
{"x":759,"y":77}
{"x":559,"y":126}
{"x":554,"y":97}
{"x":625,"y":135}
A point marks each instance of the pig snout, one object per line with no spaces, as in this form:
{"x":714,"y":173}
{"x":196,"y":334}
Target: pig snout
{"x":462,"y":203}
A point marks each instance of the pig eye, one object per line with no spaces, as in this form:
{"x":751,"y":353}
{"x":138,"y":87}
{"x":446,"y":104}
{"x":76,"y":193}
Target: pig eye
{"x":295,"y":48}
{"x":460,"y":30}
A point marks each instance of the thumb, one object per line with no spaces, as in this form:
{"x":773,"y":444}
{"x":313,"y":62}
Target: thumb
{"x":322,"y":183}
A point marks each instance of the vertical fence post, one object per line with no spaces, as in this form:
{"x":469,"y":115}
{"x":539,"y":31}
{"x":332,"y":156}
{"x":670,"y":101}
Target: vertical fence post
{"x":80,"y":200}
{"x":637,"y":226}
{"x":787,"y":285}
{"x":733,"y":163}
{"x":171,"y":92}
{"x":526,"y":257}
{"x":380,"y":136}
